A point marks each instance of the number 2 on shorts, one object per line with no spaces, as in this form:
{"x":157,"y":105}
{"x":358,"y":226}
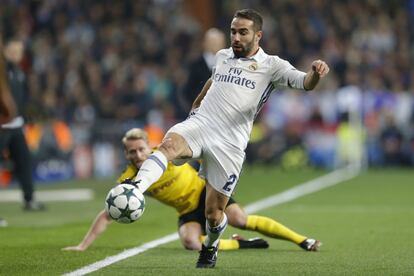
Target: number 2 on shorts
{"x":230,"y":182}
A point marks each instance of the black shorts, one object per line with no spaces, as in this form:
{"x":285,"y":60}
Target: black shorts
{"x":198,"y":215}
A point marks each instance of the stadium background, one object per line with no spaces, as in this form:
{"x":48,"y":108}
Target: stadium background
{"x":98,"y":68}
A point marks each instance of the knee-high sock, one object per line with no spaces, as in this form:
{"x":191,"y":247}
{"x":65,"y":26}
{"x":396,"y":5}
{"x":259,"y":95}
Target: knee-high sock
{"x":225,"y":244}
{"x":273,"y":229}
{"x":151,"y":170}
{"x":214,"y":233}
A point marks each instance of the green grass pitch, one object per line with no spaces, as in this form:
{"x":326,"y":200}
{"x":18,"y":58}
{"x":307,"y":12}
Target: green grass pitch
{"x":366,"y":225}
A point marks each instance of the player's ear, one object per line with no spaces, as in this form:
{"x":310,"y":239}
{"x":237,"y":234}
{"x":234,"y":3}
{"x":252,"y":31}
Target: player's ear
{"x":258,"y":36}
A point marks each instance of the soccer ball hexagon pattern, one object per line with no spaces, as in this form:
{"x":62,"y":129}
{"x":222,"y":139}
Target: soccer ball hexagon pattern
{"x":125,"y":203}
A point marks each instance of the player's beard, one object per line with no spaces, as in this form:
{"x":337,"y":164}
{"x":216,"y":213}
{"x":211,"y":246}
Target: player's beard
{"x":244,"y":50}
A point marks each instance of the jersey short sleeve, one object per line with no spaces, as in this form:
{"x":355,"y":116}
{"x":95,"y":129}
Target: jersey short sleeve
{"x":286,"y":75}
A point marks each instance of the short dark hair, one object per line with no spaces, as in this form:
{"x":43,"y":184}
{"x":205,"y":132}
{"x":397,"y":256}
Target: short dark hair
{"x":251,"y":15}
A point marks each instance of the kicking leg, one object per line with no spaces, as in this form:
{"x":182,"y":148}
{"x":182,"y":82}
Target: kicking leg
{"x":173,"y":146}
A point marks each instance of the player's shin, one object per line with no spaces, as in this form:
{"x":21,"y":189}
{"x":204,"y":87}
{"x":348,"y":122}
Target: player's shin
{"x":272,"y":228}
{"x":214,"y":233}
{"x":151,"y":170}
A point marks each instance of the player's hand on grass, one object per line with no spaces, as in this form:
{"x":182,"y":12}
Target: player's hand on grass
{"x":320,"y":67}
{"x":74,"y":248}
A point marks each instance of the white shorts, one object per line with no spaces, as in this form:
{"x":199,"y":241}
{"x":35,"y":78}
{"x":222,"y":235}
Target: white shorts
{"x":222,"y":161}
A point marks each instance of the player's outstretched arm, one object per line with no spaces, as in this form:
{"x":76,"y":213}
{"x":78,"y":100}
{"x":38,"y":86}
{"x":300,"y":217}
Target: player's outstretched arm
{"x":319,"y":70}
{"x":96,"y":229}
{"x":202,"y":94}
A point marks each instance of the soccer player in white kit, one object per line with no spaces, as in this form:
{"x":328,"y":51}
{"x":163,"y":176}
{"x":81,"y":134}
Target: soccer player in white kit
{"x":218,"y":129}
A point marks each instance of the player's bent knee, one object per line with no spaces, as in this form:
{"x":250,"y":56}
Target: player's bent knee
{"x":237,"y":219}
{"x":173,"y":147}
{"x":169,"y":150}
{"x":191,"y":243}
{"x":176,"y":146}
{"x":238,"y":222}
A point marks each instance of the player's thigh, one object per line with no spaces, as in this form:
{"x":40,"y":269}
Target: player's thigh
{"x":222,"y":165}
{"x":236,"y":215}
{"x":190,"y":233}
{"x":175,"y":146}
{"x":185,"y":139}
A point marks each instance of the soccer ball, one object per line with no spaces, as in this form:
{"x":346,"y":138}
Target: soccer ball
{"x":125,"y":203}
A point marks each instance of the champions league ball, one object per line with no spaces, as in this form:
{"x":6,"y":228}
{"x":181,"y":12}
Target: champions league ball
{"x":125,"y":203}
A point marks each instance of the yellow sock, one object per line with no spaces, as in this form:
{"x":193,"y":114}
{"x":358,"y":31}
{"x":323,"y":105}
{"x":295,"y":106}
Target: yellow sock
{"x":273,"y":229}
{"x":225,"y":244}
{"x":228,"y":244}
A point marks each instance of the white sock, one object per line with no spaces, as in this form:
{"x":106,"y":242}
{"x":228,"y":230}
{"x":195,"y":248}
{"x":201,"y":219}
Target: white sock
{"x":214,"y":233}
{"x":151,"y":170}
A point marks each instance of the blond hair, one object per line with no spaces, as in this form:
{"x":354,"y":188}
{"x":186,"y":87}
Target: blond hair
{"x":135,"y":134}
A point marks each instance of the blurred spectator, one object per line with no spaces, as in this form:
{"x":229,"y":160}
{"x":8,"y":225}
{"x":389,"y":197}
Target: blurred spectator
{"x":98,"y":63}
{"x":391,"y":142}
{"x":350,"y":141}
{"x":12,"y":138}
{"x":200,"y":70}
{"x":7,"y":106}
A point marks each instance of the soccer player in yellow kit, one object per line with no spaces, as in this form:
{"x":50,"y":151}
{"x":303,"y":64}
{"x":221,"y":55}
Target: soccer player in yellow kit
{"x":181,"y":188}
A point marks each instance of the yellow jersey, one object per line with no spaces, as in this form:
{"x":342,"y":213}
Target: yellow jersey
{"x":179,"y":187}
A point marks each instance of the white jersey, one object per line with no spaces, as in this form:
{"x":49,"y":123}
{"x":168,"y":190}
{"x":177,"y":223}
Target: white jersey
{"x":240,"y":87}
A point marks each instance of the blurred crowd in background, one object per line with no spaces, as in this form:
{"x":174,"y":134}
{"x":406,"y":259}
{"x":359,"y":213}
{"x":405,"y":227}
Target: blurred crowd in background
{"x":97,"y":68}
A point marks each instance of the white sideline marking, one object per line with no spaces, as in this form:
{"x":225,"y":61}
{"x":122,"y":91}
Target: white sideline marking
{"x":49,"y":195}
{"x":312,"y":186}
{"x":121,"y":256}
{"x":309,"y":187}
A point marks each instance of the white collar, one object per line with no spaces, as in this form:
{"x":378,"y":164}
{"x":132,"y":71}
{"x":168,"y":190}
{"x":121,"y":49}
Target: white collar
{"x":260,"y":56}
